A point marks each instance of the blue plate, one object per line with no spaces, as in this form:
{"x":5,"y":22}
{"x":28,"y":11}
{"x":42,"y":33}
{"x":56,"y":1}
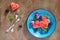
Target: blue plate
{"x":38,"y":34}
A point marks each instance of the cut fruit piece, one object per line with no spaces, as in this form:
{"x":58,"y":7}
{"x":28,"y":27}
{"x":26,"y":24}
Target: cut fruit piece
{"x":37,"y":22}
{"x":43,"y":24}
{"x":44,"y":18}
{"x":14,"y":6}
{"x":36,"y":26}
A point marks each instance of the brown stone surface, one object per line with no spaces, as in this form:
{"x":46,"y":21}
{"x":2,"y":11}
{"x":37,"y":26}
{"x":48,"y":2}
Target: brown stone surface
{"x":27,"y":6}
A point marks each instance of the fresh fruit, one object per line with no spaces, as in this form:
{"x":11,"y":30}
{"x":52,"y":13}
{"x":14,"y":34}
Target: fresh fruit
{"x":32,"y":22}
{"x":37,"y":16}
{"x":19,"y":27}
{"x":14,"y":6}
{"x":36,"y":24}
{"x":44,"y":18}
{"x":41,"y":22}
{"x":49,"y":24}
{"x":40,"y":18}
{"x":6,"y":12}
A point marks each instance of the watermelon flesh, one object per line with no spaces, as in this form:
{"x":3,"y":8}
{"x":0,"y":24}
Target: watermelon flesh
{"x":41,"y":24}
{"x":14,"y":6}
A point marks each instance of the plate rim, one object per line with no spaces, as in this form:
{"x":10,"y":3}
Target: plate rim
{"x":41,"y":9}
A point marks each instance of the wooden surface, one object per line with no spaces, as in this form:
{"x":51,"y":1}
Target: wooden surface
{"x":27,"y":6}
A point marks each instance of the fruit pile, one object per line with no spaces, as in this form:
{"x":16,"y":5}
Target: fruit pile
{"x":40,"y":22}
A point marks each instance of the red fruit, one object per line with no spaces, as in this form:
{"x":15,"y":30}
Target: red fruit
{"x":36,"y":24}
{"x":45,"y":23}
{"x":41,"y":24}
{"x":44,"y":18}
{"x":14,"y":6}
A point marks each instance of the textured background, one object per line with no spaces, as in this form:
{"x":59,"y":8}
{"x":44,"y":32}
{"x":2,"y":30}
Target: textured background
{"x":27,"y":6}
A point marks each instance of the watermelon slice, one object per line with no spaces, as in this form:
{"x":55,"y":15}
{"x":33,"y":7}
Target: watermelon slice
{"x":36,"y":24}
{"x":14,"y":6}
{"x":44,"y":18}
{"x":41,"y":24}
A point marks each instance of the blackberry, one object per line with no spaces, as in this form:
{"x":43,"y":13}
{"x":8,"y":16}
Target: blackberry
{"x":40,"y":18}
{"x":7,"y":10}
{"x":35,"y":29}
{"x":19,"y":27}
{"x":49,"y":25}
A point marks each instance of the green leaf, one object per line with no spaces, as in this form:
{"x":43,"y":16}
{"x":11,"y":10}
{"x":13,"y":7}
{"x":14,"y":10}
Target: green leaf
{"x":10,"y":18}
{"x":47,"y":16}
{"x":44,"y":29}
